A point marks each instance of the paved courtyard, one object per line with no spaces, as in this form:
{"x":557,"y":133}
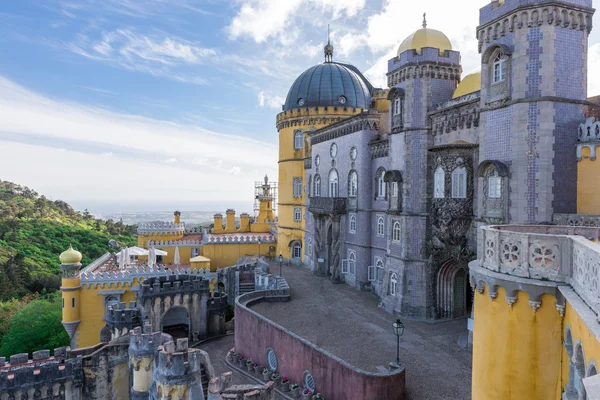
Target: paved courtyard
{"x":347,"y":323}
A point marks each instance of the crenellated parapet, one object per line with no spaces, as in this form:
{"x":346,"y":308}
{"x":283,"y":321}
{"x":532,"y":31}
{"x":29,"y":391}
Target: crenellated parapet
{"x":364,"y":122}
{"x":239,"y":238}
{"x":428,"y":64}
{"x":98,"y":279}
{"x":313,"y":116}
{"x":178,"y":371}
{"x":174,"y":284}
{"x":43,"y":376}
{"x":589,"y":137}
{"x":457,"y":119}
{"x":172,"y":243}
{"x":160,"y":227}
{"x":498,"y":20}
{"x":121,"y":318}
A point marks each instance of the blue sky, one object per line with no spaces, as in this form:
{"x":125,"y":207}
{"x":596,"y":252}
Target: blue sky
{"x":158,"y":104}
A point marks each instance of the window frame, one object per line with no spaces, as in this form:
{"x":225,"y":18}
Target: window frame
{"x":351,"y":262}
{"x":494,"y":185}
{"x":297,"y":214}
{"x":297,"y":247}
{"x":298,"y":135}
{"x":379,"y":269}
{"x":393,"y":284}
{"x":351,"y":222}
{"x":439,"y":183}
{"x":382,"y":225}
{"x":297,"y":188}
{"x":317,"y":186}
{"x":396,"y":231}
{"x":499,"y":68}
{"x":381,"y":184}
{"x":352,"y":184}
{"x":334,"y":186}
{"x":459,"y":183}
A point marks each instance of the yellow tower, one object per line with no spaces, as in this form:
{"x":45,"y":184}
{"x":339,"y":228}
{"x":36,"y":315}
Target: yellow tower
{"x":265,"y":203}
{"x":70,"y":263}
{"x":588,"y":169}
{"x":324,"y":94}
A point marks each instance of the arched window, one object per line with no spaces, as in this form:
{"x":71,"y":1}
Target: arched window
{"x":396,"y":232}
{"x":438,"y":183}
{"x":298,"y":140}
{"x":499,"y":72}
{"x":459,"y":183}
{"x":317,"y":186}
{"x":297,"y":214}
{"x":397,"y":106}
{"x":380,"y":183}
{"x":352,"y":223}
{"x":494,"y":185}
{"x":380,"y":226}
{"x":393,"y":283}
{"x":353,"y":184}
{"x":352,"y":263}
{"x":333,"y":183}
{"x":297,"y":250}
{"x":297,"y":187}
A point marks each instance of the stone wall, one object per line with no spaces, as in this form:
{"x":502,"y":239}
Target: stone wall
{"x":334,"y":378}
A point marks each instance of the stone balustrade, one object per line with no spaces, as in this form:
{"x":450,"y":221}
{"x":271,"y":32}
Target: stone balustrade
{"x":562,"y":254}
{"x":141,"y":272}
{"x":160,"y":226}
{"x":577,"y":220}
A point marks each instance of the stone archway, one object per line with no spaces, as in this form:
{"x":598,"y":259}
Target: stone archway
{"x":452,"y":290}
{"x":176,"y":322}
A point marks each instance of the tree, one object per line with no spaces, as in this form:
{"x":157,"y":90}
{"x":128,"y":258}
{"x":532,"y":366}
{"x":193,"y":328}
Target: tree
{"x":36,"y":326}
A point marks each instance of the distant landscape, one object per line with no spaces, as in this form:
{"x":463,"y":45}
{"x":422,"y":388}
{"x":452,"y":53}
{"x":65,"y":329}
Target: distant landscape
{"x":191,"y":218}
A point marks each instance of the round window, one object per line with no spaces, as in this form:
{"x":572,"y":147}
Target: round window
{"x":342,"y":100}
{"x":271,"y":359}
{"x":309,"y":381}
{"x":333,"y":150}
{"x":300,"y":102}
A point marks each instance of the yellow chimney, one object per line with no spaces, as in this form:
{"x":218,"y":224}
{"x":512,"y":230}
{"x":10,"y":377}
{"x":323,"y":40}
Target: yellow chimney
{"x":230,"y":221}
{"x":177,"y":218}
{"x":218,"y":225}
{"x":244,"y":223}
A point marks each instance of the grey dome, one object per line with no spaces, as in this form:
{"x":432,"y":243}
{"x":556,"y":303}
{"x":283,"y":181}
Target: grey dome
{"x":324,"y":84}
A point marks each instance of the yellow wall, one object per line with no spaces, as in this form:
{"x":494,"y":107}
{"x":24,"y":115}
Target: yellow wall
{"x":588,"y":184}
{"x":185,"y":253}
{"x":516,"y":352}
{"x":291,"y":164}
{"x":143,"y":239}
{"x":70,"y":313}
{"x":92,"y":311}
{"x":226,"y":254}
{"x":589,"y":342}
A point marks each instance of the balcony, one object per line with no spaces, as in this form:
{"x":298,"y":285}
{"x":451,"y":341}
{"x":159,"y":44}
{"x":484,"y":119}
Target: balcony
{"x":328,"y":205}
{"x":308,"y":163}
{"x":577,"y":220}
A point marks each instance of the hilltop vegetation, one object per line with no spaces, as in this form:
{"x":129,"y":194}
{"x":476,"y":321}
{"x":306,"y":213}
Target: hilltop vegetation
{"x":35,"y":230}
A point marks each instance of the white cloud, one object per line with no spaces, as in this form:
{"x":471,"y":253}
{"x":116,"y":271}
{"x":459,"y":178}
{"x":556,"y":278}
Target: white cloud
{"x":110,"y":154}
{"x":264,"y":19}
{"x":593,"y":78}
{"x":159,"y":55}
{"x":270,"y":101}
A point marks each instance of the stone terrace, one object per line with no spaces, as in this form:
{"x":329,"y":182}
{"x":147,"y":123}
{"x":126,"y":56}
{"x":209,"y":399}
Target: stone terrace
{"x":347,"y":323}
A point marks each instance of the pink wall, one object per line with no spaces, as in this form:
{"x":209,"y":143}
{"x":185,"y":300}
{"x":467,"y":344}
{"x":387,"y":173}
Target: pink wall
{"x":334,"y":378}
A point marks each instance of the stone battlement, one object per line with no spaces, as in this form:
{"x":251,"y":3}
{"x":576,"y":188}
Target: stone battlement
{"x":172,"y":284}
{"x":217,"y":302}
{"x":160,"y":226}
{"x":176,"y":359}
{"x":121,"y":314}
{"x":173,"y":243}
{"x":22,"y":373}
{"x":239,"y":238}
{"x":140,"y":272}
{"x":142,"y":341}
{"x":316,"y":111}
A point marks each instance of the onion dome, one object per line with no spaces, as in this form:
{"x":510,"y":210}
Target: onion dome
{"x":470,"y":84}
{"x":70,"y":256}
{"x":425,"y":37}
{"x":330,"y":84}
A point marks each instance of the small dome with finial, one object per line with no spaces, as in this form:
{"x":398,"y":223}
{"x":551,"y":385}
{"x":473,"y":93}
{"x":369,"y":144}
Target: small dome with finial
{"x":70,"y":256}
{"x":425,"y":37}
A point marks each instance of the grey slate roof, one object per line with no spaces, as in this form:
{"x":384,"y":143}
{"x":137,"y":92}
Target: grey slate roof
{"x":323,"y":84}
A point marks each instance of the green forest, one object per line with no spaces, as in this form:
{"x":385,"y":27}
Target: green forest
{"x":33,"y":232}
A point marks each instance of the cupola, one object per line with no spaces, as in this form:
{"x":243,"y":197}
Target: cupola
{"x":70,"y":257}
{"x":425,"y":37}
{"x":470,"y":84}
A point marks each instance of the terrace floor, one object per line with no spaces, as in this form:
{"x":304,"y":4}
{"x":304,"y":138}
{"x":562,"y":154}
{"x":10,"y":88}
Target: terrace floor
{"x":347,"y":323}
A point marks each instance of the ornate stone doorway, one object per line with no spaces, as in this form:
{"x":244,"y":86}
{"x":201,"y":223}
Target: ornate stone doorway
{"x":452,"y":290}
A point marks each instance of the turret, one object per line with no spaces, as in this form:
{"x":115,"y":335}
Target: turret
{"x":244,"y":222}
{"x":178,"y":372}
{"x":70,"y":264}
{"x":230,"y":221}
{"x":177,"y":218}
{"x":265,"y":199}
{"x":143,"y":345}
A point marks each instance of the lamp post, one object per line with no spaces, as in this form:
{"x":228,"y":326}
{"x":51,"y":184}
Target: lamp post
{"x":398,"y":331}
{"x":280,"y":261}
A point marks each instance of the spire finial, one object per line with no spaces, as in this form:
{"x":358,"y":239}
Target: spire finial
{"x":328,"y":48}
{"x":424,"y":20}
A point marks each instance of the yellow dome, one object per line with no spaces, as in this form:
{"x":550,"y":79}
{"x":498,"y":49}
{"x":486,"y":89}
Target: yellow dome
{"x":425,"y":37}
{"x":470,"y":84}
{"x":70,"y":256}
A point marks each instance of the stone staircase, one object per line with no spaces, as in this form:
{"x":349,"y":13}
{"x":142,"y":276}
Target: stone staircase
{"x":246,"y":288}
